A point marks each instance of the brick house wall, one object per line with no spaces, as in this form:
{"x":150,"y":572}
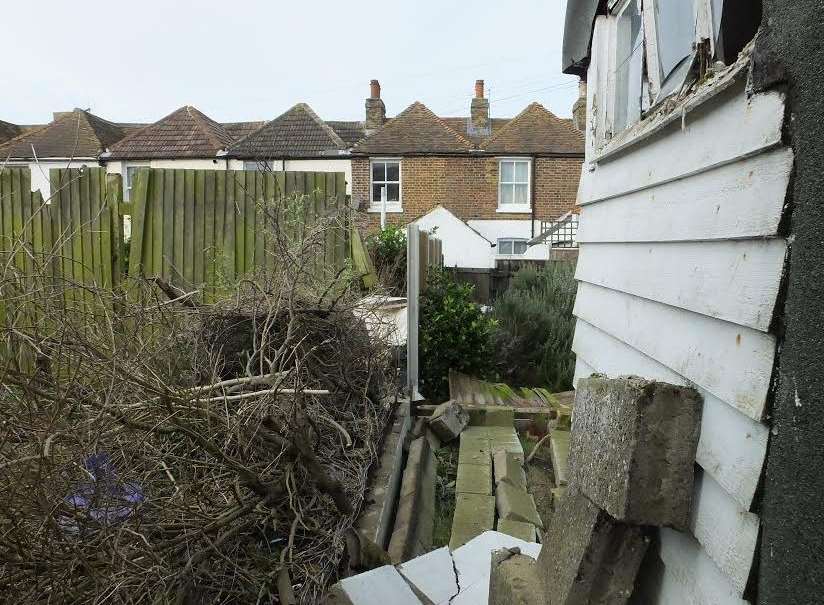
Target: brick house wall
{"x":468,"y":187}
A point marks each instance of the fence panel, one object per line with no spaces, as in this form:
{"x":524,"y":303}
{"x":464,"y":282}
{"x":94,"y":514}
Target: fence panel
{"x":74,"y":237}
{"x":201,"y":229}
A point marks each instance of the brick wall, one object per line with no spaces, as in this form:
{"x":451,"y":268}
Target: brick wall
{"x":468,"y":187}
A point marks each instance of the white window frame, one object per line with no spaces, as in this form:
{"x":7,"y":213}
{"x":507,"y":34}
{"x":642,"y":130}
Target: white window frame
{"x":515,"y":208}
{"x":512,"y":240}
{"x":637,"y":55}
{"x":127,"y":185}
{"x":391,"y":207}
{"x":602,"y":92}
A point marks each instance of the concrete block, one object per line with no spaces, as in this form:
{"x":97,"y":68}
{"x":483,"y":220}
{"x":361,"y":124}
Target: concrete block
{"x":515,"y":504}
{"x":448,"y":420}
{"x":474,"y":514}
{"x":559,"y":455}
{"x":474,"y":479}
{"x":508,"y":467}
{"x":514,"y":579}
{"x":640,"y":466}
{"x":517,"y":529}
{"x":472,"y":560}
{"x":588,"y":557}
{"x":376,"y":587}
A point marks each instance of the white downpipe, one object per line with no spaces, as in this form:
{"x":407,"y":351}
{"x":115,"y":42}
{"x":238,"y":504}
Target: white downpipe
{"x":383,"y":207}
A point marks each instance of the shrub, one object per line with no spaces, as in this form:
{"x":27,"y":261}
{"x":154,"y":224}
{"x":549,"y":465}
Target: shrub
{"x":533,"y":338}
{"x":388,"y":251}
{"x":454,"y":333}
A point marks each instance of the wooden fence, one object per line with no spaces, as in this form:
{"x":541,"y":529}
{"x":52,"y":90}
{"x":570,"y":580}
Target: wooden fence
{"x":204,"y":228}
{"x":73,"y":238}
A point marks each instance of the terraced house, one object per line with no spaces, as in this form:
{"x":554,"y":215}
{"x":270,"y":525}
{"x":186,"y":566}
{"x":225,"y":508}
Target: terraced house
{"x":487,"y":184}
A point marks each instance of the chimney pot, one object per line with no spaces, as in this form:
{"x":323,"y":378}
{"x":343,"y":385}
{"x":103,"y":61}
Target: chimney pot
{"x":479,"y":111}
{"x":375,"y":109}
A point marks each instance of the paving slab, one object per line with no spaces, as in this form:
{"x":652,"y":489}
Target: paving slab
{"x":474,"y":479}
{"x":432,"y":574}
{"x":474,"y":514}
{"x":376,"y":587}
{"x":517,"y":529}
{"x":640,"y":466}
{"x":474,"y":450}
{"x":516,"y":504}
{"x":508,"y":466}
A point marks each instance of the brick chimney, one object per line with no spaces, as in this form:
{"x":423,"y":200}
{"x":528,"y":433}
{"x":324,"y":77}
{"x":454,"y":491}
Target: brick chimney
{"x":579,"y":108}
{"x":479,"y":110}
{"x":375,"y":109}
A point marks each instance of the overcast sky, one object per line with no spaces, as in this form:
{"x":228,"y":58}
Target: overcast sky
{"x":234,"y":60}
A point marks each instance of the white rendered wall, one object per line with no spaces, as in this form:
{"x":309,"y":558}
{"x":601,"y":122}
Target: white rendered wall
{"x":462,"y":247}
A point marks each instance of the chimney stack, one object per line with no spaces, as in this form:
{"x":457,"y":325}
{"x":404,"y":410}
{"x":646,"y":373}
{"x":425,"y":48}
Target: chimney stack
{"x":375,"y":109}
{"x":479,"y":111}
{"x":579,"y":108}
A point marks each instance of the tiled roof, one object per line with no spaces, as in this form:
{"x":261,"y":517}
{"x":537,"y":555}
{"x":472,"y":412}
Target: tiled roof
{"x":298,"y":132}
{"x":238,"y":130}
{"x":536,"y":130}
{"x":8,"y":131}
{"x":462,"y":126}
{"x":350,"y":132}
{"x":415,"y":130}
{"x":418,"y":130}
{"x":77,"y":133}
{"x":185,"y":133}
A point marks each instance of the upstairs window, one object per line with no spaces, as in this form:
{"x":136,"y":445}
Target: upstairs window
{"x":513,"y":185}
{"x":386,"y":179}
{"x":511,"y":246}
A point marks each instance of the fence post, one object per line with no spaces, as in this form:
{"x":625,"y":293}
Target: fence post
{"x":413,"y":254}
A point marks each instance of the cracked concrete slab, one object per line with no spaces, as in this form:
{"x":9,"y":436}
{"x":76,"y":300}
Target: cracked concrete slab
{"x":376,"y":587}
{"x":433,"y":575}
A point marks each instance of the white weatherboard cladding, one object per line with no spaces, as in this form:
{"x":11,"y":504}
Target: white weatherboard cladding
{"x":679,"y":272}
{"x":732,"y":280}
{"x":740,"y":200}
{"x":732,"y":362}
{"x":725,"y":129}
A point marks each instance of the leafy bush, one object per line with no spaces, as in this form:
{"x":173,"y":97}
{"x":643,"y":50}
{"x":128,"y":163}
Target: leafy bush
{"x":533,"y":338}
{"x":388,"y":251}
{"x":454,"y":333}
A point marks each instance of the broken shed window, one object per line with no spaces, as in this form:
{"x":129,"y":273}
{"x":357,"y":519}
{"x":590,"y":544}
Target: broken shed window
{"x":628,"y":65}
{"x":735,"y":23}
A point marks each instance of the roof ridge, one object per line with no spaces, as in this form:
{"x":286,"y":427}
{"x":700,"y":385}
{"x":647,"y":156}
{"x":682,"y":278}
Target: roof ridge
{"x":509,"y":125}
{"x":328,"y":129}
{"x":301,"y":106}
{"x":142,"y":129}
{"x":207,"y":125}
{"x":393,"y":122}
{"x":95,"y":122}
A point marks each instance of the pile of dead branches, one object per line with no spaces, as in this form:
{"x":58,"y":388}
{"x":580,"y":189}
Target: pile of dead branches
{"x":154,"y":449}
